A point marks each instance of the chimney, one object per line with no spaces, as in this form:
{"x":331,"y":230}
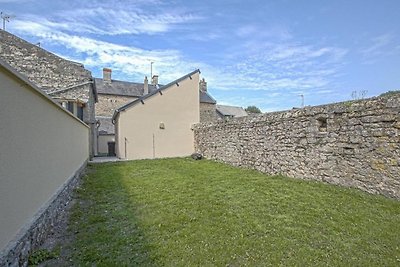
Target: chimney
{"x":146,"y":86}
{"x":203,"y":85}
{"x":107,"y":75}
{"x":154,"y":80}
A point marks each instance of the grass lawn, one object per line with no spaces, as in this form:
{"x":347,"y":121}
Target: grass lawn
{"x":181,"y":212}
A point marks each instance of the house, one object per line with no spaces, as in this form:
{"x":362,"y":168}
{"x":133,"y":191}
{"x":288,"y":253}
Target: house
{"x":227,"y":112}
{"x":106,"y":136}
{"x":44,"y":149}
{"x":113,"y":94}
{"x":160,"y":123}
{"x":67,"y":82}
{"x":208,"y":110}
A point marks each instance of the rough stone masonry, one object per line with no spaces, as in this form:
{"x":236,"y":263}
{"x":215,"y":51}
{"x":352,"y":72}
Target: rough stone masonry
{"x":354,"y":143}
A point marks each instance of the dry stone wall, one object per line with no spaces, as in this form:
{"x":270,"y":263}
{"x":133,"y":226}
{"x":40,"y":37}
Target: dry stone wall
{"x":355,"y":144}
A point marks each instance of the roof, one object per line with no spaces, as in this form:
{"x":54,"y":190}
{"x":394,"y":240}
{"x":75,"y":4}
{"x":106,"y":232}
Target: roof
{"x":159,"y":90}
{"x":206,"y":98}
{"x":46,"y":70}
{"x":35,"y":88}
{"x":231,"y":111}
{"x":106,"y":125}
{"x":121,"y":88}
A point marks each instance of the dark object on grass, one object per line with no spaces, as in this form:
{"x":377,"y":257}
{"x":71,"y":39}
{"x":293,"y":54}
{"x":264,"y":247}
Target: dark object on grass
{"x":197,"y":156}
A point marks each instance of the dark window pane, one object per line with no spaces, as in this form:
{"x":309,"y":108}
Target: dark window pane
{"x":80,"y":113}
{"x":70,"y":106}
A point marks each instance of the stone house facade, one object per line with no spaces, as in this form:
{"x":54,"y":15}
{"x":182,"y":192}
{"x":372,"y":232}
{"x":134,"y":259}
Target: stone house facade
{"x":67,"y":82}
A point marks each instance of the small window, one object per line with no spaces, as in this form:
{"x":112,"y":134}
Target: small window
{"x":322,"y":124}
{"x":80,"y":113}
{"x":70,"y":107}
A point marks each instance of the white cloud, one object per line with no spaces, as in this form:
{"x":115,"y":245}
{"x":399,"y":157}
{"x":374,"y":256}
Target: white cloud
{"x":131,"y":61}
{"x":268,"y":60}
{"x":113,"y":17}
{"x":379,"y":46}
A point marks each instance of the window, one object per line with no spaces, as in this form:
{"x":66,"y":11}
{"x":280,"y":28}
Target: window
{"x":70,"y":107}
{"x":80,"y":113}
{"x":322,"y":124}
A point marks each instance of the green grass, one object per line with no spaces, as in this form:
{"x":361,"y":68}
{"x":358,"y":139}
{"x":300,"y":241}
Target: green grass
{"x":181,"y":212}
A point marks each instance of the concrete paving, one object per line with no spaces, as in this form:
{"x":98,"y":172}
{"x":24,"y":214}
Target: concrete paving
{"x":105,"y":159}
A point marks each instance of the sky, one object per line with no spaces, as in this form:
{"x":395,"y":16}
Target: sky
{"x":271,"y":54}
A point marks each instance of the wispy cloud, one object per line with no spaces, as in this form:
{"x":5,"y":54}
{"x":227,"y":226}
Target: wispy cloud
{"x":132,"y":62}
{"x":266,"y":60}
{"x":111,"y":22}
{"x":378,"y":47}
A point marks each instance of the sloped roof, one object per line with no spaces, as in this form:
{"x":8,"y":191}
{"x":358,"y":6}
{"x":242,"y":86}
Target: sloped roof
{"x":231,"y":111}
{"x":46,"y":70}
{"x":7,"y":67}
{"x":206,"y":98}
{"x":159,"y":90}
{"x":121,"y":88}
{"x":106,"y":125}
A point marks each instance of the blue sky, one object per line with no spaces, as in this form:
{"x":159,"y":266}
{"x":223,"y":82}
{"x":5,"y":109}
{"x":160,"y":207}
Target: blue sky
{"x":263,"y":53}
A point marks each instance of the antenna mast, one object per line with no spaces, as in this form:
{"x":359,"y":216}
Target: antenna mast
{"x":302,"y":100}
{"x":5,"y":18}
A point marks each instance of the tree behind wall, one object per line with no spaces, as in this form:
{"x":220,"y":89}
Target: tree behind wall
{"x":252,"y":109}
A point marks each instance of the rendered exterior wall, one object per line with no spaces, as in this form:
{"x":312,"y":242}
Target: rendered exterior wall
{"x":103,"y":143}
{"x":138,"y":130}
{"x":355,"y":144}
{"x":41,"y":145}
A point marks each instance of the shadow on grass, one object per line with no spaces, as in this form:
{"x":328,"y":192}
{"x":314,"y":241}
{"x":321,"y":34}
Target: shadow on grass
{"x":104,"y":221}
{"x":180,"y":212}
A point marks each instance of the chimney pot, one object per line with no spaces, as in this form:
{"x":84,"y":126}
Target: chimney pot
{"x":146,"y":86}
{"x":203,"y":85}
{"x":107,"y":75}
{"x":154,"y":80}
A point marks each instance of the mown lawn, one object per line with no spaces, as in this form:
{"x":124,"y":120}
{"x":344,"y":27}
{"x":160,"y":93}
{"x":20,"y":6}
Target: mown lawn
{"x":181,"y":212}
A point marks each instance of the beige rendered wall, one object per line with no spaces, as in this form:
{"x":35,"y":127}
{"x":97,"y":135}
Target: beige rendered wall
{"x":103,"y":143}
{"x":138,"y":128}
{"x":41,"y":146}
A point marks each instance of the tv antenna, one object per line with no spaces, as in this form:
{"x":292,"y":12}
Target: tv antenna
{"x":6,"y":18}
{"x":151,"y":70}
{"x":302,"y":100}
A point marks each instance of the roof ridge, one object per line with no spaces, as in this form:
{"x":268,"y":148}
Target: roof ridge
{"x":117,"y":111}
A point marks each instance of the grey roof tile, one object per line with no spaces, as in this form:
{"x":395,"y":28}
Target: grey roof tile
{"x":231,"y":111}
{"x":121,"y":88}
{"x":206,"y":98}
{"x":106,"y":125}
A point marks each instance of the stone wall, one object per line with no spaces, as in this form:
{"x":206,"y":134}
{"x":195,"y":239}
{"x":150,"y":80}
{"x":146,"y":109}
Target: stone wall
{"x":107,"y":104}
{"x":355,"y":144}
{"x":208,"y":112}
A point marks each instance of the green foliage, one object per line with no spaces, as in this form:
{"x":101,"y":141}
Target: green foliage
{"x":252,"y":109}
{"x":390,"y":93}
{"x":182,"y":212}
{"x":41,"y":255}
